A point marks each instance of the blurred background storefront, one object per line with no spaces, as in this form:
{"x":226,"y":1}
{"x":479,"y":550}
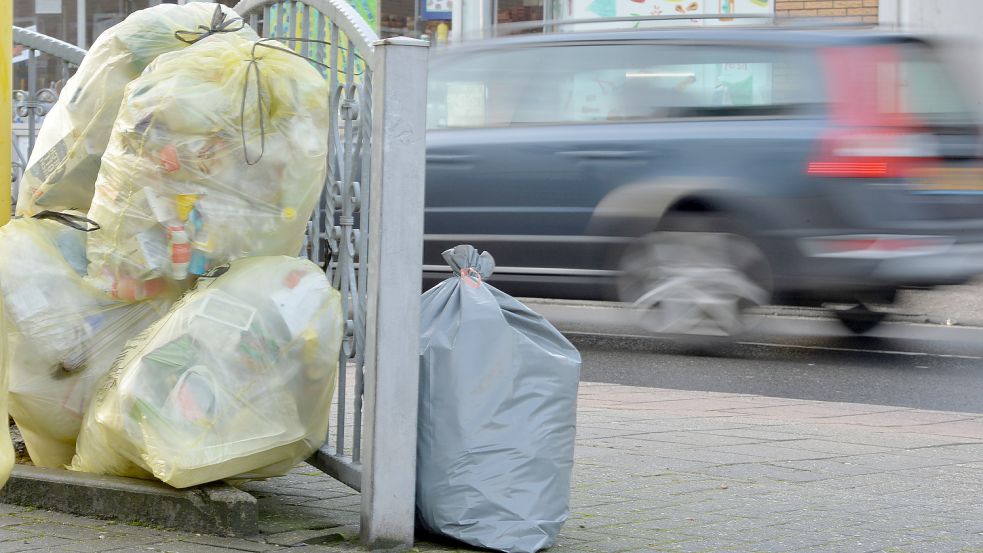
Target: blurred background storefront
{"x":74,"y":21}
{"x":81,"y":21}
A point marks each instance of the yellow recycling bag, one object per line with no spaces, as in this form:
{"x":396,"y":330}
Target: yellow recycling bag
{"x":219,"y":152}
{"x":235,"y":382}
{"x":63,"y":166}
{"x":62,"y":334}
{"x":6,"y":445}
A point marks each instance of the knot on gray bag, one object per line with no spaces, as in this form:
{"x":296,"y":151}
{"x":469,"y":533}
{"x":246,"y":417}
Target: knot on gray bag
{"x":464,"y":257}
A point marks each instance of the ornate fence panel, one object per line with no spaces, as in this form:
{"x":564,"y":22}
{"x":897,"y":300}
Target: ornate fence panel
{"x":368,"y":233}
{"x":31,"y":105}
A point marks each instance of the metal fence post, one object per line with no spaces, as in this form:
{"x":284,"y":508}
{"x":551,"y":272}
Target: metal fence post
{"x":393,"y":311}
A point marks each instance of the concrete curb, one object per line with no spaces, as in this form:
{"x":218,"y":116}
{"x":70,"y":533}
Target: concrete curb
{"x":608,"y":325}
{"x":895,"y":315}
{"x":213,"y":509}
{"x":641,"y":343}
{"x":620,"y":342}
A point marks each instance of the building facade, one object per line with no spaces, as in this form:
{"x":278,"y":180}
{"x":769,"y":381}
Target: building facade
{"x":865,"y":11}
{"x":80,"y":21}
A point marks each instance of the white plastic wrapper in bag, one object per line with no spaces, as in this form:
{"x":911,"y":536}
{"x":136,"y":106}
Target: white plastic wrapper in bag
{"x":219,"y":152}
{"x":62,"y":333}
{"x":62,"y":169}
{"x":497,"y":414}
{"x":235,"y":382}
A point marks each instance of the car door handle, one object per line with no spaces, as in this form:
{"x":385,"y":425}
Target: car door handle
{"x":449,"y":158}
{"x":601,"y":155}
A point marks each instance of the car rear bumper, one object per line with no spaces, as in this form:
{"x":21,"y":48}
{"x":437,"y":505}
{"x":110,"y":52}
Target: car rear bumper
{"x":895,"y":260}
{"x":953,"y":265}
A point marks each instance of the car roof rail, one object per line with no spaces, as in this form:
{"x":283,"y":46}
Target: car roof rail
{"x":549,"y":26}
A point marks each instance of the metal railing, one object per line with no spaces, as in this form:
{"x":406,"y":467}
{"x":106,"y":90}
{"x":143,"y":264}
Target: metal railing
{"x":368,"y":233}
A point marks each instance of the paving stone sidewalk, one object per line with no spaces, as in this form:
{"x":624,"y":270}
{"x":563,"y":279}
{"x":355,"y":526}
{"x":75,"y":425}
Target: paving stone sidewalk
{"x":664,"y":470}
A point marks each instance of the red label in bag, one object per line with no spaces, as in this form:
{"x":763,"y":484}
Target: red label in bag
{"x":169,"y":159}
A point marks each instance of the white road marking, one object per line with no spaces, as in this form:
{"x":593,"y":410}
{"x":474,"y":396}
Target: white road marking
{"x":861,"y":350}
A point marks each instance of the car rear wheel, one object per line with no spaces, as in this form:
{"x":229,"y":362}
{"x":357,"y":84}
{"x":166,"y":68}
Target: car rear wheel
{"x":694,"y":276}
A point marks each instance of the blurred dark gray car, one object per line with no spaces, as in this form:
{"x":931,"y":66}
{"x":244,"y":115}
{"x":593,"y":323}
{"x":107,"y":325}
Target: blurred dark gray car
{"x":697,"y":173}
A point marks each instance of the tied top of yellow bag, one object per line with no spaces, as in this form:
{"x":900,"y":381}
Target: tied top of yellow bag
{"x":219,"y":152}
{"x":65,"y":161}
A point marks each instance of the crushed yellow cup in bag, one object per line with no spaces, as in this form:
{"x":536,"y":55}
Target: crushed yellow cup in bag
{"x":65,"y":161}
{"x":234,"y":383}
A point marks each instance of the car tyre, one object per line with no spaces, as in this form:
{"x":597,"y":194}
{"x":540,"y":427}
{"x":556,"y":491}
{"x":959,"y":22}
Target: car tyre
{"x":859,"y":319}
{"x":695,"y":275}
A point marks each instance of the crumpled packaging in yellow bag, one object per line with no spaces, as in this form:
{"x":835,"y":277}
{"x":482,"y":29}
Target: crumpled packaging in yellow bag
{"x":64,"y":164}
{"x":62,"y":334}
{"x":219,"y":152}
{"x":234,"y":383}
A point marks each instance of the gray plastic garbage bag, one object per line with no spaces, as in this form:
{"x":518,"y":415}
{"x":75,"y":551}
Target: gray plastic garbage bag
{"x":497,"y":417}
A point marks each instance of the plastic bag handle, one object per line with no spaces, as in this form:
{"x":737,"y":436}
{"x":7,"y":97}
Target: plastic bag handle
{"x":219,"y":25}
{"x":254,"y":68}
{"x":70,"y":220}
{"x":217,"y":271}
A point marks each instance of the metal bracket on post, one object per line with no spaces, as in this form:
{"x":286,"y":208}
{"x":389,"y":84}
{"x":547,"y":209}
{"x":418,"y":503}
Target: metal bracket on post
{"x":395,"y":255}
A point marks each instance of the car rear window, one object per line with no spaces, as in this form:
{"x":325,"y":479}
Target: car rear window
{"x":927,"y":88}
{"x":894,"y":84}
{"x":584,"y":83}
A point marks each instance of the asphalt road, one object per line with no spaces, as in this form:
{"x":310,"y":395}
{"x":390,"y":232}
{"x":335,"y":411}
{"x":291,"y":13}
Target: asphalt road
{"x":924,"y":366}
{"x":870,"y":371}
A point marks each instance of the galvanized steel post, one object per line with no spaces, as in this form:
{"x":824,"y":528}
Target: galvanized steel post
{"x":395,"y":255}
{"x":81,"y":36}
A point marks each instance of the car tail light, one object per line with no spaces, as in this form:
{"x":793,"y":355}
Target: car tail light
{"x":876,"y":153}
{"x":874,"y":135}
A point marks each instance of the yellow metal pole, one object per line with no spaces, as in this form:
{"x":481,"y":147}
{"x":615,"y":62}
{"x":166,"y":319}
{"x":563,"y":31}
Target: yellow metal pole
{"x":6,"y":110}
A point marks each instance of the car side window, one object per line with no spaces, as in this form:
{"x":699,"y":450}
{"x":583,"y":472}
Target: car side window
{"x":483,"y":89}
{"x":616,"y":82}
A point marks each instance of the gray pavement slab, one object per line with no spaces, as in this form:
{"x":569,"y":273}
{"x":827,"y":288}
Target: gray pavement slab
{"x":655,"y":473}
